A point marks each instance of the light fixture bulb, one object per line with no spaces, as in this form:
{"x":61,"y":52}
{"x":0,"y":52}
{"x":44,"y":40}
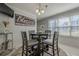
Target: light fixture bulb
{"x":37,"y":10}
{"x":42,"y":11}
{"x":39,"y":13}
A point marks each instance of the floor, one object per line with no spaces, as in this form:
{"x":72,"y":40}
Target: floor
{"x":64,"y":51}
{"x":19,"y":51}
{"x":70,"y":51}
{"x":4,"y":53}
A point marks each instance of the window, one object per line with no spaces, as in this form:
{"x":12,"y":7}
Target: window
{"x":74,"y":29}
{"x":75,"y":21}
{"x":63,"y":22}
{"x":75,"y":26}
{"x":64,"y":31}
{"x":52,"y":24}
{"x":64,"y":26}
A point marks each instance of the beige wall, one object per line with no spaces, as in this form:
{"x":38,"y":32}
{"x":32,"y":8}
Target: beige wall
{"x":16,"y":30}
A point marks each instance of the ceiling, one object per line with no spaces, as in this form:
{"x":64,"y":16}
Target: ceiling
{"x":52,"y":9}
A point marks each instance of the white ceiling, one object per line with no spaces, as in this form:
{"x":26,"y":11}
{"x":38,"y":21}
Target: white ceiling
{"x":52,"y":9}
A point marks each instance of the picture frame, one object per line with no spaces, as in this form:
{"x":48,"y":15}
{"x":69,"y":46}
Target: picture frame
{"x":21,"y":20}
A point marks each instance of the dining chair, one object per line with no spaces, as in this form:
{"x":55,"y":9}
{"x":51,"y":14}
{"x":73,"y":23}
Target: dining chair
{"x":27,"y":49}
{"x":55,"y":47}
{"x":53,"y":44}
{"x":24,"y":43}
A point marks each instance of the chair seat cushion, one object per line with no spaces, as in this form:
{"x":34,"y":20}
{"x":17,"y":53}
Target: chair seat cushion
{"x":48,"y":41}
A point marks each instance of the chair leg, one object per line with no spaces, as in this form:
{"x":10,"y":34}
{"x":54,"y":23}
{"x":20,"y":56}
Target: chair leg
{"x":53,"y":51}
{"x":22,"y":51}
{"x":57,"y":51}
{"x":42,"y":49}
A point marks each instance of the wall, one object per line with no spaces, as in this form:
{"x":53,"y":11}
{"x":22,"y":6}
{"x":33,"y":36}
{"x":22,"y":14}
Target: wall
{"x":17,"y":39}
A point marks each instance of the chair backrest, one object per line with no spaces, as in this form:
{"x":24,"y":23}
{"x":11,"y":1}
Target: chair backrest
{"x":55,"y":43}
{"x":49,"y":33}
{"x":25,"y":43}
{"x":55,"y":37}
{"x":31,"y":32}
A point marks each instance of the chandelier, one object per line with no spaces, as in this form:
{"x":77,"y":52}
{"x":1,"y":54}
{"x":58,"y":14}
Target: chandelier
{"x":41,"y":9}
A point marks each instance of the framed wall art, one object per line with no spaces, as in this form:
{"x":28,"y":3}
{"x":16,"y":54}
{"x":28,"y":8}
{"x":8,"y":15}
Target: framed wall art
{"x":23,"y":20}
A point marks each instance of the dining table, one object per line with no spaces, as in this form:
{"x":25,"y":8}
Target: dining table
{"x":37,"y":41}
